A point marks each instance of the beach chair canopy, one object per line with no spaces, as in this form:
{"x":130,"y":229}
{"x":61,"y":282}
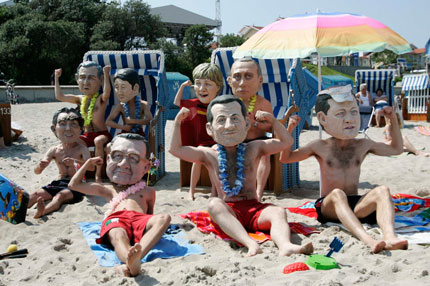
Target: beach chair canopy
{"x":415,"y":82}
{"x":153,"y":89}
{"x":279,"y":76}
{"x":375,"y":79}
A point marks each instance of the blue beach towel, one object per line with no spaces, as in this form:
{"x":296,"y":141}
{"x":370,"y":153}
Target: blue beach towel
{"x":172,"y":244}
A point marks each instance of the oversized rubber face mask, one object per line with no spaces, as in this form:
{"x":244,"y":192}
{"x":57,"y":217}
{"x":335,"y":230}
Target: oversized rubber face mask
{"x":67,"y":128}
{"x":124,"y":91}
{"x":229,"y":127}
{"x":342,"y":120}
{"x":88,"y":80}
{"x":126,"y":162}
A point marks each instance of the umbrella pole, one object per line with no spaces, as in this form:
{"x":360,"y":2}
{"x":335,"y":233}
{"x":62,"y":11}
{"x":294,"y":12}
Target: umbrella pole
{"x":319,"y":87}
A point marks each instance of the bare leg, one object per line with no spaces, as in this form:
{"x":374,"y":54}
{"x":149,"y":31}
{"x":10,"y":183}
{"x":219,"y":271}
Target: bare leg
{"x":408,"y":147}
{"x":335,"y":206}
{"x":381,"y":198}
{"x":131,"y":255}
{"x":56,"y":202}
{"x":36,"y":194}
{"x":263,"y":173}
{"x":2,"y":145}
{"x":99,"y":142}
{"x":224,"y":216}
{"x":195,"y":176}
{"x":378,"y":118}
{"x":275,"y":219}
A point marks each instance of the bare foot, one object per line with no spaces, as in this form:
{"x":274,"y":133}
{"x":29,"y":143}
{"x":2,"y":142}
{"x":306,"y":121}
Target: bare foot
{"x":291,"y":248}
{"x":122,"y":270}
{"x":254,"y":249}
{"x":191,"y":196}
{"x":421,"y":153}
{"x":133,"y":259}
{"x":395,"y":244}
{"x":377,"y":246}
{"x":40,"y":208}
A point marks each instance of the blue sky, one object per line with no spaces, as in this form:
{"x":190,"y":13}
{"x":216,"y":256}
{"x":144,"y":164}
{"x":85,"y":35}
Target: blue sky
{"x":409,"y":18}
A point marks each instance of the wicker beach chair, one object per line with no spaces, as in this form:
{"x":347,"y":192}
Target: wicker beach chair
{"x":375,"y":79}
{"x":276,"y":88}
{"x":153,"y":85}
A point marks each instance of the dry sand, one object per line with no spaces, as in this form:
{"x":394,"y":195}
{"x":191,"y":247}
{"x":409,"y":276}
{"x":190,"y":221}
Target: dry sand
{"x":59,"y":255}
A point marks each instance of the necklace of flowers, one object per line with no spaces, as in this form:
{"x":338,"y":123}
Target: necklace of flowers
{"x":88,"y":117}
{"x":119,"y":197}
{"x":223,"y":175}
{"x":137,"y":108}
{"x":252,"y":102}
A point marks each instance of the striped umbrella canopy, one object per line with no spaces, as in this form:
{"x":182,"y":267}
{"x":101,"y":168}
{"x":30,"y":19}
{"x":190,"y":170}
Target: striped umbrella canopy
{"x":328,"y":34}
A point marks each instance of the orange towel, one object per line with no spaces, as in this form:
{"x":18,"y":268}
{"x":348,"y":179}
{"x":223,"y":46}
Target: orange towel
{"x":423,"y":130}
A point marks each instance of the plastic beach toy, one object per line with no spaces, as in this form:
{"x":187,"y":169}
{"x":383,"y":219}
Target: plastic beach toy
{"x":297,"y":266}
{"x":325,"y":262}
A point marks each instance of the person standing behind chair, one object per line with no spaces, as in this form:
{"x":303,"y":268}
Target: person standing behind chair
{"x":133,"y":110}
{"x":92,"y":105}
{"x":207,"y":85}
{"x":245,"y":81}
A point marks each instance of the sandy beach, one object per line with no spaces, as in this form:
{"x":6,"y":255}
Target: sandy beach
{"x":59,"y":254}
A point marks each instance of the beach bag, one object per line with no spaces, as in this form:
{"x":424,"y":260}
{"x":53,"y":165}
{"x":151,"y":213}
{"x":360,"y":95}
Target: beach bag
{"x":13,"y":201}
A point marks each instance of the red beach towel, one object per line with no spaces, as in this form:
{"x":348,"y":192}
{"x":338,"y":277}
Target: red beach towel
{"x":204,"y":223}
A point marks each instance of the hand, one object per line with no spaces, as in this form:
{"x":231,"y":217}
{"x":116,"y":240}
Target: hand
{"x":69,"y":162}
{"x":388,"y":112}
{"x":187,"y":83}
{"x":58,"y":72}
{"x":261,"y":116}
{"x":92,"y":163}
{"x":293,"y":122}
{"x":127,"y":127}
{"x":182,"y":114}
{"x":106,"y":69}
{"x":43,"y":164}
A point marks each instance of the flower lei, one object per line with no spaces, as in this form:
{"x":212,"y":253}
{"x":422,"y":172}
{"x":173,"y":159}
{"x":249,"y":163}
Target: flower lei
{"x":88,"y":117}
{"x":155,"y":163}
{"x":252,"y":102}
{"x":119,"y":197}
{"x":223,"y":175}
{"x":137,"y":105}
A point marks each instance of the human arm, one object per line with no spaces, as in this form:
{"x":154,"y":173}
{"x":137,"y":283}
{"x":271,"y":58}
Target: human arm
{"x":283,"y":139}
{"x":110,"y":121}
{"x":59,"y":95}
{"x":178,"y":97}
{"x":95,"y":189}
{"x":263,"y":105}
{"x":395,"y":147}
{"x":187,"y":153}
{"x":293,"y":122}
{"x":84,"y":155}
{"x":106,"y":83}
{"x":146,"y":118}
{"x":45,"y":161}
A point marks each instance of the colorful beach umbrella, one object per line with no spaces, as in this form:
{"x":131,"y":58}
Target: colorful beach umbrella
{"x":327,"y":34}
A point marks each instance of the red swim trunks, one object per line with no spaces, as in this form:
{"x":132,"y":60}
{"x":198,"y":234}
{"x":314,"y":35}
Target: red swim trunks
{"x":89,"y":137}
{"x":134,"y":223}
{"x":248,"y":212}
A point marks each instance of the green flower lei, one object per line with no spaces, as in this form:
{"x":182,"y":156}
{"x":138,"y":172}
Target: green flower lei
{"x":88,"y":117}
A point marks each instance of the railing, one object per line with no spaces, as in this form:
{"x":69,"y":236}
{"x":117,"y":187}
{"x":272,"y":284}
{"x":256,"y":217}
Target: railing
{"x":417,"y":101}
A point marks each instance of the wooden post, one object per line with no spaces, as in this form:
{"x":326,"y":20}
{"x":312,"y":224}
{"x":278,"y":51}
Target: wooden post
{"x":5,"y":122}
{"x":428,"y":109}
{"x":405,"y":107}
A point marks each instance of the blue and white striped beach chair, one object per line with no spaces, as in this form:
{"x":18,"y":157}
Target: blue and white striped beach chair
{"x":375,"y":79}
{"x":276,"y":88}
{"x":153,"y":89}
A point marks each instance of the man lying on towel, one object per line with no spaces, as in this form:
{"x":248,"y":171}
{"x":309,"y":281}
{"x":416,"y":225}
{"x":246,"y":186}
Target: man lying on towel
{"x":232,"y":165}
{"x":340,"y":158}
{"x":130,"y":225}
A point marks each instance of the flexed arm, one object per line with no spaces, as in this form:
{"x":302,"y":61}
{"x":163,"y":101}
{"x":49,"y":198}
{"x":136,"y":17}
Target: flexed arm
{"x":178,"y":96}
{"x":59,"y":95}
{"x":187,"y":153}
{"x":106,"y":83}
{"x":283,"y":139}
{"x":95,"y":189}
